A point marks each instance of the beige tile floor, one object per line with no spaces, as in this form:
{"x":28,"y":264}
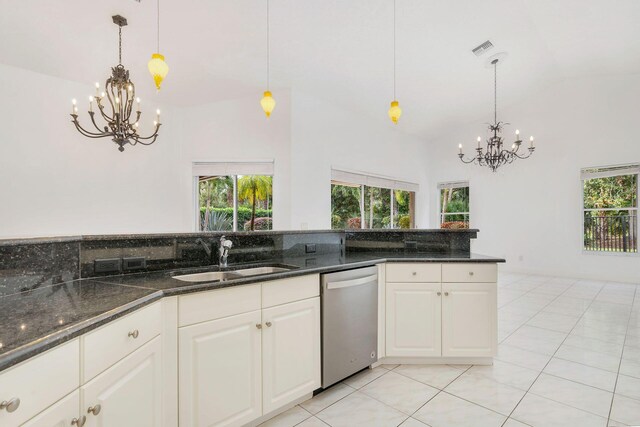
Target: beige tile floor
{"x":568,"y":355}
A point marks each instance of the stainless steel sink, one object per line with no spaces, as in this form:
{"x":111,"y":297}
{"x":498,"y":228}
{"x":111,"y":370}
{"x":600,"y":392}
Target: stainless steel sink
{"x":256,"y":271}
{"x":212,"y":276}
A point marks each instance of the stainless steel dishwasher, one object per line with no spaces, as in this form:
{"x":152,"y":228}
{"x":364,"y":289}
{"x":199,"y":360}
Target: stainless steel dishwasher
{"x":349,"y":323}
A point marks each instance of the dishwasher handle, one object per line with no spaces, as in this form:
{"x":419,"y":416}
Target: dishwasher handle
{"x":353,"y":282}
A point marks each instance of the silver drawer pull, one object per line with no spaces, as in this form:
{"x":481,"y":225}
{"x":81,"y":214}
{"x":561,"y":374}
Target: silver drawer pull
{"x":446,"y":294}
{"x":439,"y":293}
{"x":134,"y":334}
{"x":79,"y":421}
{"x":10,"y":405}
{"x":259,"y":325}
{"x":268,"y":324}
{"x":95,"y":410}
{"x":471,"y":273}
{"x":414,"y":273}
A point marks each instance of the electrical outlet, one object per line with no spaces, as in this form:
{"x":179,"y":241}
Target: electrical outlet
{"x":134,"y":263}
{"x":110,"y":265}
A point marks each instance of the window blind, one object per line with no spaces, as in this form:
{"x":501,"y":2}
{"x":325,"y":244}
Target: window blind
{"x":453,"y":184}
{"x":349,"y":178}
{"x":232,"y":168}
{"x":609,"y":171}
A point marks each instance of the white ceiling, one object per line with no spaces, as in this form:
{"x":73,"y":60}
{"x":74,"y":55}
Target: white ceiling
{"x":337,"y":49}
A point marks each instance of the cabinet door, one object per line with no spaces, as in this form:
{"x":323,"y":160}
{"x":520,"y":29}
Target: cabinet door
{"x":291,"y":352}
{"x":220,"y":371}
{"x":469,"y":324}
{"x":129,"y":393}
{"x":413,"y":319}
{"x":60,"y":414}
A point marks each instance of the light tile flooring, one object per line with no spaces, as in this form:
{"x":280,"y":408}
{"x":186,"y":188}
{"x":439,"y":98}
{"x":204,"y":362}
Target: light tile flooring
{"x":569,"y":355}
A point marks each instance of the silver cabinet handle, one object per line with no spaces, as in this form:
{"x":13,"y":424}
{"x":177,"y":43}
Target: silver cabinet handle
{"x":259,"y":325}
{"x":446,"y":294}
{"x":471,"y":273}
{"x":268,"y":324}
{"x":79,"y":421}
{"x":10,"y":405}
{"x":439,"y":293}
{"x":95,"y":410}
{"x":134,"y":334}
{"x":414,"y":273}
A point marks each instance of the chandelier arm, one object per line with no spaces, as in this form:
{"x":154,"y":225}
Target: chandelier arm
{"x":104,"y":115}
{"x":465,"y":161}
{"x":88,"y":134}
{"x":152,"y":136}
{"x":524,"y":156}
{"x":93,"y":120}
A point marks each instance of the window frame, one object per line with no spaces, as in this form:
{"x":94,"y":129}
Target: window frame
{"x":594,"y":172}
{"x":232,"y":169}
{"x":452,"y":184}
{"x":363,"y":180}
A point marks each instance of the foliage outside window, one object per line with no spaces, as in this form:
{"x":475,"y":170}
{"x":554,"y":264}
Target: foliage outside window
{"x":361,"y":206}
{"x":610,"y":209}
{"x":236,"y":202}
{"x":454,"y":205}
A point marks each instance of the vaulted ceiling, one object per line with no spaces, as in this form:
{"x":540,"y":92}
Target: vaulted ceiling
{"x":340,"y":50}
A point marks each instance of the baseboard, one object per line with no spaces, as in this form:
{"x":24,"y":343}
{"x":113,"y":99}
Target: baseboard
{"x":434,"y":361}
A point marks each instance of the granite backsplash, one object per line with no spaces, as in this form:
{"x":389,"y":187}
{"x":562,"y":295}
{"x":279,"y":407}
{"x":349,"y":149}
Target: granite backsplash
{"x":29,"y":264}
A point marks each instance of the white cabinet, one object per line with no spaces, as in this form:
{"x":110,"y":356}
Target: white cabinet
{"x":469,"y":319}
{"x":413,"y":321}
{"x":64,"y":413}
{"x":261,"y":356}
{"x":290,"y":352}
{"x":441,"y":319}
{"x":220,"y":371}
{"x":129,"y":393}
{"x":40,"y":382}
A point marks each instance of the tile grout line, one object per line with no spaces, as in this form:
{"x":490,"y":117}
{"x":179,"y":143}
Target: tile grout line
{"x":615,"y":385}
{"x":553,"y":355}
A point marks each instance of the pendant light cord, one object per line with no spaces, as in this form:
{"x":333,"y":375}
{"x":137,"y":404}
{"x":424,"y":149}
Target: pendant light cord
{"x":158,"y":51}
{"x":268,"y":45}
{"x":394,"y":50}
{"x":495,"y":92}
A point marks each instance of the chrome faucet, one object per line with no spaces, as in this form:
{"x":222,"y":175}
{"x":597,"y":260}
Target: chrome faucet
{"x":223,"y":251}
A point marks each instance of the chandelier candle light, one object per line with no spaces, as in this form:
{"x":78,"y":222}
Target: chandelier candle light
{"x":267,"y":102}
{"x":121,"y":93}
{"x":495,"y":155}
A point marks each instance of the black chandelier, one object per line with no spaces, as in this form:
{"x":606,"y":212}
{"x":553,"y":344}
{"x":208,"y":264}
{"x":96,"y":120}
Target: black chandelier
{"x":495,"y":155}
{"x":121,"y":93}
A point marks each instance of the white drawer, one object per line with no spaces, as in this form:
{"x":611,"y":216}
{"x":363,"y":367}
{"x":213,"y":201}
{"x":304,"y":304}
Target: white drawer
{"x":413,"y":272}
{"x":210,"y":305}
{"x":470,"y":272}
{"x":289,"y":290}
{"x":107,"y":345}
{"x":39,"y":382}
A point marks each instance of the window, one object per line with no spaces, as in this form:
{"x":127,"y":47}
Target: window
{"x":234,"y":201}
{"x":367,"y":201}
{"x":610,"y":209}
{"x":454,"y":204}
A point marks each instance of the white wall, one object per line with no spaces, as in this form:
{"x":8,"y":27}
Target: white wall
{"x":531,"y":208}
{"x":57,"y":182}
{"x":325,"y":135}
{"x":238,"y":130}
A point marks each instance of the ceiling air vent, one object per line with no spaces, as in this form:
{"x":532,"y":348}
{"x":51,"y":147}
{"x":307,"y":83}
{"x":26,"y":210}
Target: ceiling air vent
{"x":479,"y":50}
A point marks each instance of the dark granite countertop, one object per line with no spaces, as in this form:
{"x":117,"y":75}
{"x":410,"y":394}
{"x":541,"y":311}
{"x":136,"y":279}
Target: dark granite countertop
{"x":37,"y":320}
